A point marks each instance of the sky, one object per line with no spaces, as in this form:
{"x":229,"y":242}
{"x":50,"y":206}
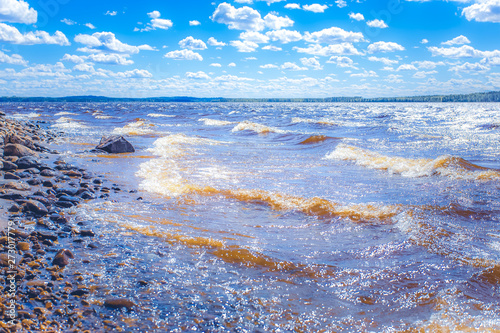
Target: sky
{"x":249,"y":48}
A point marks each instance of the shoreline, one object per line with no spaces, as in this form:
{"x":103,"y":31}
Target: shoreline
{"x":37,"y":190}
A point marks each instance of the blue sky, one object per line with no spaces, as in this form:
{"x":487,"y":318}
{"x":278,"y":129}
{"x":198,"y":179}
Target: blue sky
{"x":248,"y":48}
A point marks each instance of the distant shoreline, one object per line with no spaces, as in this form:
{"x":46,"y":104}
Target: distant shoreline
{"x":493,"y":96}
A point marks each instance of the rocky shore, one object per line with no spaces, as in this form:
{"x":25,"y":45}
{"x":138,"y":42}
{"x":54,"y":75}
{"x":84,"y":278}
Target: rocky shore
{"x":38,"y":189}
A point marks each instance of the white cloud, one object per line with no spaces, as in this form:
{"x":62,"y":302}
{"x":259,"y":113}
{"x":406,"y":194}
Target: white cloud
{"x":231,"y":65}
{"x":135,"y":74}
{"x":272,"y":48}
{"x":198,"y":75}
{"x":17,"y":11}
{"x":356,"y":16}
{"x":385,"y":61}
{"x":67,"y":21}
{"x":457,"y":41}
{"x":464,"y":51}
{"x":341,"y":3}
{"x":244,"y":46}
{"x":192,"y":44}
{"x":184,"y":55}
{"x":406,"y":67}
{"x":333,"y":35}
{"x":244,"y":18}
{"x":426,"y":64}
{"x":90,"y":25}
{"x":277,"y":22}
{"x":194,"y":23}
{"x":291,"y":66}
{"x":292,"y":6}
{"x":483,"y":11}
{"x":268,"y":66}
{"x":107,"y":42}
{"x":377,"y":24}
{"x":344,"y":62}
{"x":424,"y":41}
{"x":89,"y":68}
{"x":215,"y":64}
{"x":311,"y":62}
{"x":315,"y":8}
{"x":423,"y":74}
{"x":365,"y":74}
{"x":10,"y":34}
{"x":394,"y":78}
{"x":14,"y":59}
{"x":284,"y":36}
{"x":111,"y":13}
{"x":470,"y":68}
{"x":110,"y":59}
{"x":157,"y":22}
{"x":214,"y":42}
{"x":269,"y":2}
{"x":332,"y":49}
{"x":254,"y":36}
{"x":384,"y":47}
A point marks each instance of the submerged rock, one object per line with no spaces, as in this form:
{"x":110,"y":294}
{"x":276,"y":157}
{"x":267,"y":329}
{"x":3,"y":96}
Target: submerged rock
{"x":117,"y":303}
{"x":62,"y":258}
{"x":115,"y":145}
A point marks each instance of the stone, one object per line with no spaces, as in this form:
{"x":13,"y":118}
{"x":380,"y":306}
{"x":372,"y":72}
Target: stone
{"x":87,"y":195}
{"x":80,"y":292}
{"x":16,"y":185}
{"x":36,"y":207}
{"x":34,"y":181}
{"x":10,"y":175}
{"x":23,"y":246}
{"x":47,"y":173}
{"x":13,"y":138}
{"x":27,"y":162}
{"x":115,"y":145}
{"x":45,"y":235}
{"x":87,"y":233}
{"x":7,"y":165}
{"x":14,"y":149}
{"x":117,"y":303}
{"x":62,"y":258}
{"x":47,"y":183}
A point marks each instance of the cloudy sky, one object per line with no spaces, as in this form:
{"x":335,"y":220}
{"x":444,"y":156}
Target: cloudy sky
{"x":248,"y":48}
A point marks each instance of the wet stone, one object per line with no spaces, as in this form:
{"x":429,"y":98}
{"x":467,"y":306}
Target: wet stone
{"x":34,"y":181}
{"x":47,"y":183}
{"x":62,"y":258}
{"x":10,"y":175}
{"x":47,"y":173}
{"x":117,"y":303}
{"x":36,"y":207}
{"x":27,"y":162}
{"x":87,"y":233}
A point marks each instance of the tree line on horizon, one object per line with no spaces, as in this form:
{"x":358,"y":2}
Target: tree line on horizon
{"x":493,"y":96}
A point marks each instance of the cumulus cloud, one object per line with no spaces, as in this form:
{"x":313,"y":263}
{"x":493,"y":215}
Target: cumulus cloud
{"x":311,"y":62}
{"x":377,"y":24}
{"x":107,"y":42}
{"x":254,"y":36}
{"x":464,"y":51}
{"x":483,"y":11}
{"x":90,"y":25}
{"x":356,"y":16}
{"x":17,"y":11}
{"x":457,"y":41}
{"x":315,"y":8}
{"x":194,"y":23}
{"x":427,"y":64}
{"x":198,"y":75}
{"x":111,"y":13}
{"x":344,"y":62}
{"x":284,"y":36}
{"x":385,"y":47}
{"x":156,"y":22}
{"x":272,"y":48}
{"x":244,"y":46}
{"x":244,"y":18}
{"x":470,"y":68}
{"x":424,"y":41}
{"x":292,"y":6}
{"x":68,"y":21}
{"x":329,"y":50}
{"x":277,"y":22}
{"x":192,"y":44}
{"x":268,"y":66}
{"x":14,"y":59}
{"x":184,"y":55}
{"x":102,"y":58}
{"x":406,"y":67}
{"x":291,"y":66}
{"x":385,"y":61}
{"x":333,"y":35}
{"x":214,"y":42}
{"x":365,"y":74}
{"x":10,"y":34}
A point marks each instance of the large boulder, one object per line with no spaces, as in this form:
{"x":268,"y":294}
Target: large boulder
{"x":27,"y":162}
{"x":14,"y":149}
{"x":115,"y":145}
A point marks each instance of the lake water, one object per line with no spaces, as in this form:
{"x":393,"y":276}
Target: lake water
{"x":283,"y":217}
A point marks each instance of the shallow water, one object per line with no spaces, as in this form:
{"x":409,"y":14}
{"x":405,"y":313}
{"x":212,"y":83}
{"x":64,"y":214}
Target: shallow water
{"x":292,"y":217}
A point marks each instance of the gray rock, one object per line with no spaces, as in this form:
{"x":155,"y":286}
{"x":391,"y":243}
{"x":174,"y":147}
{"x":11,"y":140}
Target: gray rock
{"x":27,"y":162}
{"x":115,"y":145}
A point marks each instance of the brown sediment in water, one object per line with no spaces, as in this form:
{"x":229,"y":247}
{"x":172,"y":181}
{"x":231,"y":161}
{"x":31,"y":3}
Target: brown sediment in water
{"x":317,"y":139}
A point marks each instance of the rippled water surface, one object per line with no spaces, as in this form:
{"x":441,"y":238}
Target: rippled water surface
{"x":292,"y":217}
